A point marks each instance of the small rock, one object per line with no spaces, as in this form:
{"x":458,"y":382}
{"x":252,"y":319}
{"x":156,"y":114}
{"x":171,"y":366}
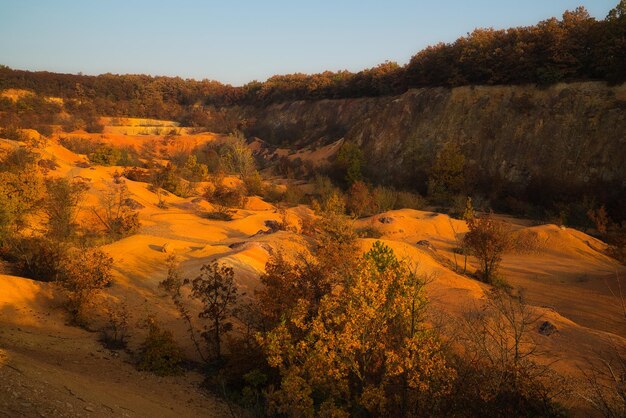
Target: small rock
{"x":89,"y":408}
{"x":547,"y":328}
{"x":272,"y":225}
{"x":425,"y":243}
{"x":385,"y":219}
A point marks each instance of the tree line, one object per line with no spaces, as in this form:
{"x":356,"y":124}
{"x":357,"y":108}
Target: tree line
{"x":574,"y":48}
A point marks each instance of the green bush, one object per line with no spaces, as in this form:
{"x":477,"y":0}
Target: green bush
{"x":159,"y":352}
{"x":408,"y":200}
{"x":105,"y":155}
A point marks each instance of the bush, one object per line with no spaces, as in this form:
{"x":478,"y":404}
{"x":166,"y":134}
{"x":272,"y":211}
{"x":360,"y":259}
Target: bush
{"x":38,"y":258}
{"x":13,"y":134}
{"x":226,"y":215}
{"x":105,"y":155}
{"x":115,"y":333}
{"x":273,"y":194}
{"x":224,"y":196}
{"x":159,"y":353}
{"x":384,"y":198}
{"x":79,"y":145}
{"x":487,"y":239}
{"x":116,"y":213}
{"x":293,"y":195}
{"x":408,"y":200}
{"x":83,"y":273}
{"x":137,"y":174}
{"x":360,"y":201}
{"x":254,"y":184}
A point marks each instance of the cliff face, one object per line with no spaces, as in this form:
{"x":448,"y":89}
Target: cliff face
{"x":572,"y":132}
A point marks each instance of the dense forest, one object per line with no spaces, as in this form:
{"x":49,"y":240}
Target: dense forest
{"x":576,"y":47}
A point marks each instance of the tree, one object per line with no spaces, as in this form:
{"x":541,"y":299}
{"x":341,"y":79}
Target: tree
{"x":238,"y":157}
{"x":194,"y":171}
{"x":61,"y":206}
{"x":116,"y":213}
{"x":215,"y":289}
{"x":366,"y":351}
{"x":487,"y":239}
{"x":217,"y":293}
{"x":360,"y":201}
{"x":349,"y":163}
{"x":500,"y":371}
{"x":21,"y":194}
{"x":83,"y":273}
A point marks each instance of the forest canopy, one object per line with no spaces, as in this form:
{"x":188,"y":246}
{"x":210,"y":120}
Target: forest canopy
{"x":576,"y":47}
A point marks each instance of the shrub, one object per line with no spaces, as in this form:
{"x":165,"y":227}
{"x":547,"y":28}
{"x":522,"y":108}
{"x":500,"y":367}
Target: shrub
{"x":384,"y":198}
{"x":360,"y":201}
{"x":224,"y":196}
{"x":487,"y":239}
{"x":408,"y":200}
{"x":159,"y":353}
{"x":115,"y":333}
{"x":19,"y":159}
{"x":21,"y":194}
{"x":273,"y":194}
{"x":293,"y":195}
{"x":254,"y":184}
{"x":365,"y":350}
{"x":105,"y":155}
{"x":600,"y":219}
{"x":137,"y":174}
{"x":37,"y":257}
{"x":348,"y":163}
{"x":116,"y":213}
{"x":217,"y":293}
{"x":61,"y":207}
{"x":79,"y":145}
{"x":83,"y":273}
{"x":446,"y":176}
{"x":13,"y":134}
{"x":219,"y":215}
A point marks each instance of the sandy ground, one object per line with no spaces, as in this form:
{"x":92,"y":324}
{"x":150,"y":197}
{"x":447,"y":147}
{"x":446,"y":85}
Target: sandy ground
{"x":50,"y":369}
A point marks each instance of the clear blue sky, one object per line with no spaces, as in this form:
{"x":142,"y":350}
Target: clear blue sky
{"x":236,"y":41}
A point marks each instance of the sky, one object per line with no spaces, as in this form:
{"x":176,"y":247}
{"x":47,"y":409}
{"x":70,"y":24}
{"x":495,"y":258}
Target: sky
{"x":237,"y":41}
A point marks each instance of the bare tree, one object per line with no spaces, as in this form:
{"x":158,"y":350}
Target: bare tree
{"x":116,"y":213}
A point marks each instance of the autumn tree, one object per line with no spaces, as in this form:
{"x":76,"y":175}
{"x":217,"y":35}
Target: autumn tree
{"x":83,"y":274}
{"x":21,"y":193}
{"x":217,"y":293}
{"x":333,"y":238}
{"x":62,"y":206}
{"x":360,"y":201}
{"x":487,"y":239}
{"x":366,"y":350}
{"x":237,"y":157}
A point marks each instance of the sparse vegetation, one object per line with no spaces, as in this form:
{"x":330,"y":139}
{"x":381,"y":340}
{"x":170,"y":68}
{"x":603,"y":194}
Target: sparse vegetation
{"x":116,"y":214}
{"x":487,"y":239}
